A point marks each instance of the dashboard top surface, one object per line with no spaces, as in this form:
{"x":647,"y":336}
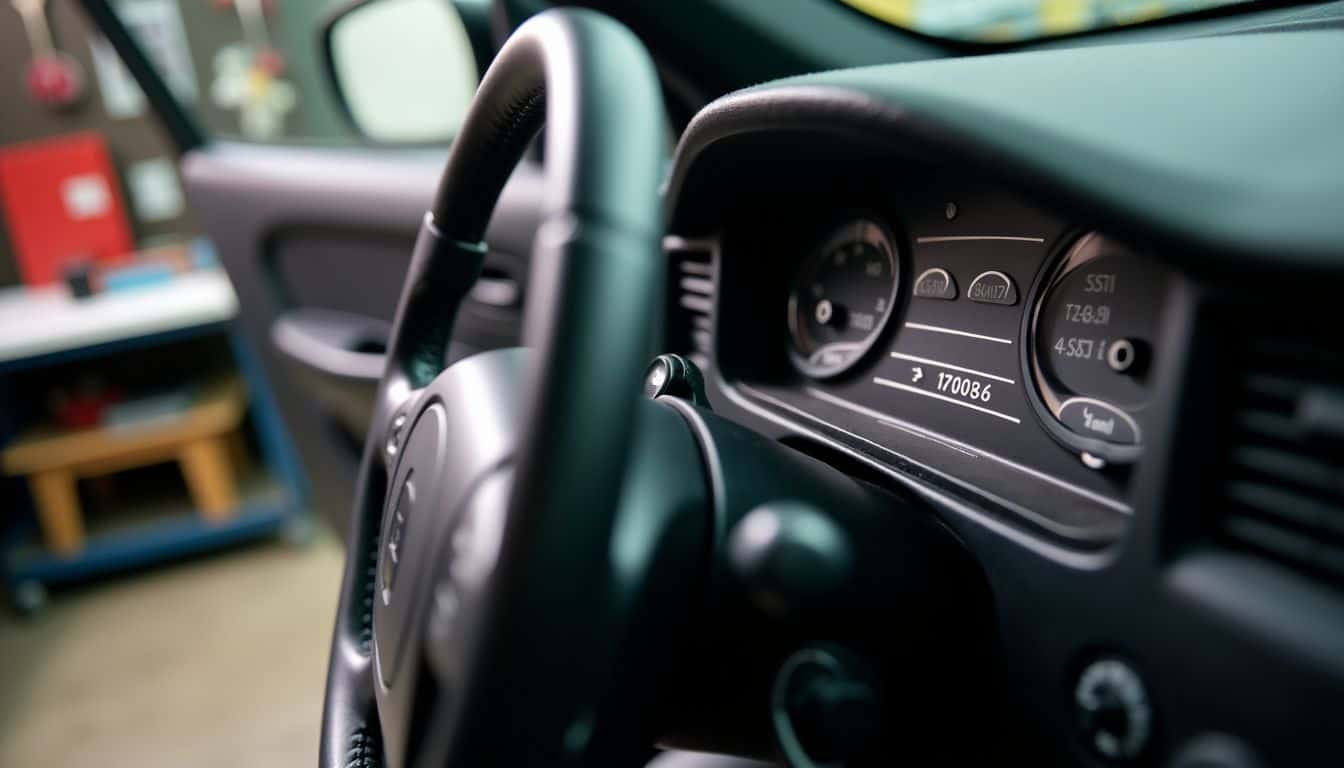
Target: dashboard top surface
{"x":1222,"y":145}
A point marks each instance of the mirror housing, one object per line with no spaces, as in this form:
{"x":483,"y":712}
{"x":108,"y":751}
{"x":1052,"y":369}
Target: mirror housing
{"x":404,"y":71}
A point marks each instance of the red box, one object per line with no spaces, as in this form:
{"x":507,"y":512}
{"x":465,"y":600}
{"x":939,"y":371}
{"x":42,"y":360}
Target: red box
{"x":62,"y":202}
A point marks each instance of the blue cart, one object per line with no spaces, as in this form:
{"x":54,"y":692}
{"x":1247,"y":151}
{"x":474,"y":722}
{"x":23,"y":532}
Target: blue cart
{"x":42,"y":328}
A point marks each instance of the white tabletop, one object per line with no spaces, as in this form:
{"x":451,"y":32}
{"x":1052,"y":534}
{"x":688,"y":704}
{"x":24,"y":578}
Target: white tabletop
{"x":41,"y":321}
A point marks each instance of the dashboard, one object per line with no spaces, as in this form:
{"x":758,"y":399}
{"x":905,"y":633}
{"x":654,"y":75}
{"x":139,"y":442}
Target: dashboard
{"x":955,"y":330}
{"x":1088,"y":324}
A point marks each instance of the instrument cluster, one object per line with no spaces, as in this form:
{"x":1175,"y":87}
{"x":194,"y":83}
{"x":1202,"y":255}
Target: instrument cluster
{"x":966,"y":336}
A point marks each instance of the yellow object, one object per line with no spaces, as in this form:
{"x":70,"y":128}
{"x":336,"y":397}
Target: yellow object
{"x":998,"y":21}
{"x":1059,"y":17}
{"x":898,"y":12}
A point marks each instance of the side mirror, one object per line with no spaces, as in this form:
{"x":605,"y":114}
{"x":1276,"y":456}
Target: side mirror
{"x":403,"y":69}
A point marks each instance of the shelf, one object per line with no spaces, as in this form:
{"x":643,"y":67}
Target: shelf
{"x":160,"y":532}
{"x":194,"y":300}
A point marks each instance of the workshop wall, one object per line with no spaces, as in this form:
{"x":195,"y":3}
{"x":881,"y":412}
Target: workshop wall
{"x":113,"y":106}
{"x":130,"y":140}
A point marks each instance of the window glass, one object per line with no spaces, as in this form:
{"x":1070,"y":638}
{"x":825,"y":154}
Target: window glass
{"x":1015,"y":20}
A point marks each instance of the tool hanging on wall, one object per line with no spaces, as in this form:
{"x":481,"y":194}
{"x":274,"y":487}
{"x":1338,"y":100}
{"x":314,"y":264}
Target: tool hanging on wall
{"x":53,"y":78}
{"x":252,"y":14}
{"x":248,"y":76}
{"x":256,"y":32}
{"x":266,"y":5}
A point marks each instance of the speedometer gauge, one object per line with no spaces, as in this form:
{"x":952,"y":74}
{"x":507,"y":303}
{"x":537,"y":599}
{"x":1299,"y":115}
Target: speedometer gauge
{"x":842,"y":298}
{"x":1093,"y":332}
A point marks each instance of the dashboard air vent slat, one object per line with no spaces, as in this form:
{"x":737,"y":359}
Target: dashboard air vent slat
{"x":1282,"y":488}
{"x":1301,"y":550}
{"x":692,"y":280}
{"x":1287,"y":507}
{"x":1288,"y":467}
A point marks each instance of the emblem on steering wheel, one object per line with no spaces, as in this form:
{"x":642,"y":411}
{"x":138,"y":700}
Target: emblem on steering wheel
{"x":392,"y":547}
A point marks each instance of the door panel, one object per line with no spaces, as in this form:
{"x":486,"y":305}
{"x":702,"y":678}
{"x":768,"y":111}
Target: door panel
{"x":316,"y":242}
{"x":373,"y":261}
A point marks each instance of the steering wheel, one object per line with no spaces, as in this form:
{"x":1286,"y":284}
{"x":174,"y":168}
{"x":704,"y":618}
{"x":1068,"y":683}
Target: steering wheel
{"x":555,"y":559}
{"x":477,"y":614}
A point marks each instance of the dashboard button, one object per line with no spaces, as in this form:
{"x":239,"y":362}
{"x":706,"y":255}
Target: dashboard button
{"x":935,"y":283}
{"x":1093,"y":418}
{"x":993,"y":287}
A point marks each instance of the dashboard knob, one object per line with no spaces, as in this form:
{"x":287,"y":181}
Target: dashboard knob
{"x":1113,"y":709}
{"x":1127,"y":356}
{"x":790,"y":556}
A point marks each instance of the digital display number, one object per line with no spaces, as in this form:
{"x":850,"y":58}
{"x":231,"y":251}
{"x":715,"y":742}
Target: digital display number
{"x":1101,"y":282}
{"x":1076,"y":348}
{"x":1088,"y":314}
{"x":964,"y":386}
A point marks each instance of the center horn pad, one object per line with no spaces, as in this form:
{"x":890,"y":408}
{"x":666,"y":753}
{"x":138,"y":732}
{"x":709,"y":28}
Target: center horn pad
{"x":463,"y":428}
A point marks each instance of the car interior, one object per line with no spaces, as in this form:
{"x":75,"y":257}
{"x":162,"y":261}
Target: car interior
{"x":807,"y":382}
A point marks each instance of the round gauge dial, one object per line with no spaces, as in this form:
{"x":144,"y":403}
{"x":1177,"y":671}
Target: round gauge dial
{"x":842,"y":298}
{"x":1093,"y":335}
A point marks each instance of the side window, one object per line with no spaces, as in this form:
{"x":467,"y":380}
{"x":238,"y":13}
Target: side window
{"x":259,"y":70}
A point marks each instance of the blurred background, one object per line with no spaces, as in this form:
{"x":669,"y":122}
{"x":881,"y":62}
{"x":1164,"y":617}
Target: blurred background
{"x":170,"y":597}
{"x":206,"y":209}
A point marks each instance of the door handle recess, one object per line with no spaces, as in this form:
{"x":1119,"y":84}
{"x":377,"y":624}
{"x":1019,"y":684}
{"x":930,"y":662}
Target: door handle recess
{"x":337,"y":357}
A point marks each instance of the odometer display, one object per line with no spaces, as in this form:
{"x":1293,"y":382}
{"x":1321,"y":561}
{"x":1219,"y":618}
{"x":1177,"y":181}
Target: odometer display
{"x":842,"y":298}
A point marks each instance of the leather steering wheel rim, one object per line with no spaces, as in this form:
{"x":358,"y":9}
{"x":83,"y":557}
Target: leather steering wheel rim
{"x":591,"y":309}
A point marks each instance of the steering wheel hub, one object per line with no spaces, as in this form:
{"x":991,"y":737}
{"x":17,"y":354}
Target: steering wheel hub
{"x":440,"y":534}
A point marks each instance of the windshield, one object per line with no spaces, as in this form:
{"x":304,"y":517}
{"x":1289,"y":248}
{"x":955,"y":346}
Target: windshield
{"x":1014,"y":20}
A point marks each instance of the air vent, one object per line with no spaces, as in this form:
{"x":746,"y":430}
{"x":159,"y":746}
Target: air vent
{"x":691,"y":297}
{"x":1283,"y":489}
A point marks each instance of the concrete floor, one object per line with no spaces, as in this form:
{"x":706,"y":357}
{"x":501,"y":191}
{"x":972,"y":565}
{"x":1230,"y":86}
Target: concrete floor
{"x":213,"y":662}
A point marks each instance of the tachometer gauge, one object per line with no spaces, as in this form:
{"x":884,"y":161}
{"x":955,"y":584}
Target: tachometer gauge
{"x":1093,"y":332}
{"x":842,"y":298}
